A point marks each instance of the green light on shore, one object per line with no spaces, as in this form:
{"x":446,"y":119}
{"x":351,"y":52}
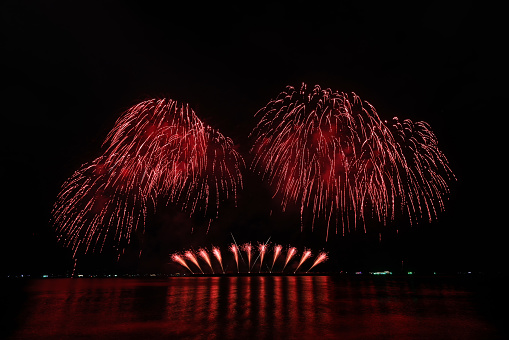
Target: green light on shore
{"x":385,"y":272}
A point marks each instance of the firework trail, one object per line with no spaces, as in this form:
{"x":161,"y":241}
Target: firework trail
{"x":205,"y":256}
{"x":235,"y":251}
{"x":291,"y":253}
{"x":247,"y":248}
{"x":157,"y":152}
{"x":322,"y":257}
{"x":191,"y":257}
{"x":217,"y":253}
{"x":223,"y":171}
{"x":330,"y":152}
{"x":262,"y":248}
{"x":177,"y":258}
{"x":90,"y":202}
{"x":305,"y":255}
{"x":426,"y":166}
{"x":277,"y":252}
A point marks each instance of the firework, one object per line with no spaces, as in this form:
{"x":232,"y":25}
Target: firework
{"x":247,"y":248}
{"x":235,"y":251}
{"x":158,"y":151}
{"x":191,"y":257}
{"x":217,"y":253}
{"x":305,"y":255}
{"x":322,"y":257}
{"x":222,"y":175}
{"x":427,"y":169}
{"x":262,"y":248}
{"x":330,"y":152}
{"x":177,"y":258}
{"x":291,"y":253}
{"x":205,"y":256}
{"x":277,"y":252}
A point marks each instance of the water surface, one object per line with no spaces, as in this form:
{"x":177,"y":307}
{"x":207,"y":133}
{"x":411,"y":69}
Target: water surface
{"x":258,"y":307}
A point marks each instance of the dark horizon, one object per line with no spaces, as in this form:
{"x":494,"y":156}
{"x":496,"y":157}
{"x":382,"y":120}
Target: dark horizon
{"x":71,"y":71}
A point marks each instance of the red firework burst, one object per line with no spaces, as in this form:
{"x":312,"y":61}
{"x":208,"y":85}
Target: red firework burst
{"x":158,"y":149}
{"x":330,"y":152}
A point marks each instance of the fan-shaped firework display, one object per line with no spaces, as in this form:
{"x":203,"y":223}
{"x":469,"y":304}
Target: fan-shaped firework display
{"x":330,"y":152}
{"x":245,"y":266}
{"x":159,"y":149}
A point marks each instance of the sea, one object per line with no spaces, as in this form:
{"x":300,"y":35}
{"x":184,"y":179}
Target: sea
{"x":255,"y":307}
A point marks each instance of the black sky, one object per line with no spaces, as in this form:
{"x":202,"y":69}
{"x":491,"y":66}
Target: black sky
{"x":69,"y":70}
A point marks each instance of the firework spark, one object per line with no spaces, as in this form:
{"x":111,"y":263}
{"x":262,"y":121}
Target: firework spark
{"x":217,"y":253}
{"x":322,"y":257}
{"x":291,"y":253}
{"x":426,"y":166}
{"x":277,"y":252}
{"x":158,"y":151}
{"x":247,"y":248}
{"x":262,"y":248}
{"x":305,"y":255}
{"x":177,"y":258}
{"x":235,"y":251}
{"x":330,"y":152}
{"x":205,"y":256}
{"x":191,"y":257}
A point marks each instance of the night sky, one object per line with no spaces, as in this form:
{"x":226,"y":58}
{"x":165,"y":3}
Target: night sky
{"x":70,"y":70}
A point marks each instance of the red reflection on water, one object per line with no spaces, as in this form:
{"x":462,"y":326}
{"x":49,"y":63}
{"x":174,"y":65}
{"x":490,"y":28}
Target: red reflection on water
{"x":291,"y":297}
{"x":277,"y":311}
{"x":213,"y":299}
{"x":247,"y":307}
{"x":246,"y":303}
{"x":262,"y":310}
{"x":307,"y":297}
{"x":232,"y":306}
